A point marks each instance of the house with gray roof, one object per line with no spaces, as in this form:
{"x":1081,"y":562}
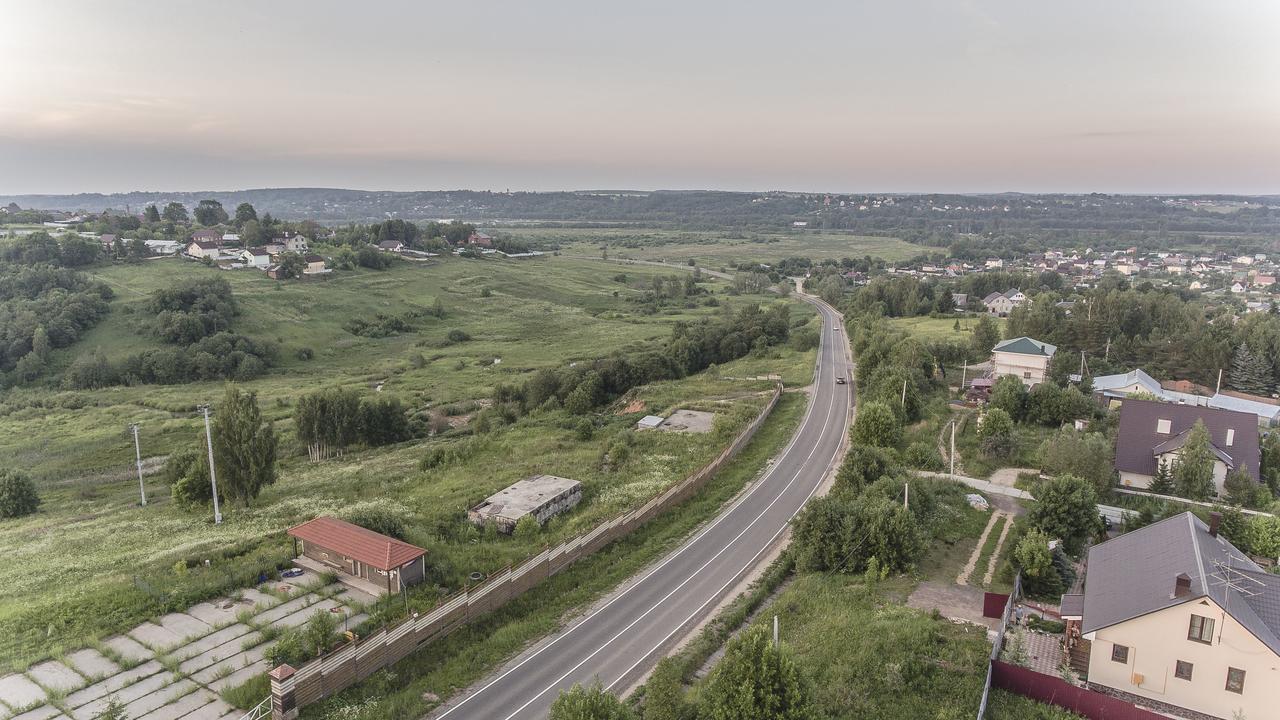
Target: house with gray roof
{"x":1177,"y":619}
{"x":1152,"y":433}
{"x":1025,"y":358}
{"x":1113,"y":389}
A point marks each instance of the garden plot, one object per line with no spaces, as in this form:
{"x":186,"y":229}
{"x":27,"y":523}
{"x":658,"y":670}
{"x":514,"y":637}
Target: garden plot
{"x":175,"y":666}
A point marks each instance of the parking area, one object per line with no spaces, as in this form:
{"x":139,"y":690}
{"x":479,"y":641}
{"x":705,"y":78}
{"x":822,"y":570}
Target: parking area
{"x":176,"y":666}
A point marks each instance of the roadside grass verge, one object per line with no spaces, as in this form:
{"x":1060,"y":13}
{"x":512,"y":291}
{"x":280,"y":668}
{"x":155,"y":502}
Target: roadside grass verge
{"x":450,"y":664}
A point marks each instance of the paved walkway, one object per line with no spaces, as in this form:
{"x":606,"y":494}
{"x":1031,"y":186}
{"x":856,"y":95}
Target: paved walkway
{"x":176,"y":666}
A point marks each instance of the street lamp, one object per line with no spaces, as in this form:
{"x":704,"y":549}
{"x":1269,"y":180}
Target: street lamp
{"x":213,"y":477}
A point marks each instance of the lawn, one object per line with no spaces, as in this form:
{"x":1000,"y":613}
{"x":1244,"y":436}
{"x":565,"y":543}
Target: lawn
{"x":92,"y":562}
{"x":717,"y":248}
{"x":942,"y":328}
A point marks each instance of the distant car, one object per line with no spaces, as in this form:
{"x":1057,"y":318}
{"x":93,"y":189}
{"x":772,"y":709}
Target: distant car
{"x":839,"y":379}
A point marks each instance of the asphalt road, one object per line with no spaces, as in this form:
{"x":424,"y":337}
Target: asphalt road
{"x":621,"y":639}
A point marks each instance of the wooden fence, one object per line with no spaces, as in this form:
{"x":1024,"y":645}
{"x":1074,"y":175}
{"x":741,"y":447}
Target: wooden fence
{"x":293,"y":689}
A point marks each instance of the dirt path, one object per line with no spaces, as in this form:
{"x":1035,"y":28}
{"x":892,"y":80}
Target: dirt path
{"x":967,"y":570}
{"x":995,"y":554}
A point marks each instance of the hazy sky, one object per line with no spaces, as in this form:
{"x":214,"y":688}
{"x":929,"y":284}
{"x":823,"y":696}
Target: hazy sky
{"x":1116,"y":96}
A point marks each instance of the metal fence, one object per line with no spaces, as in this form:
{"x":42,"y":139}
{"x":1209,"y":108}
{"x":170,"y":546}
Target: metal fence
{"x":998,"y":644}
{"x":354,"y":662}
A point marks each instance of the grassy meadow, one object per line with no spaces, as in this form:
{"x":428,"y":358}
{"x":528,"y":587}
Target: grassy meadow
{"x":717,"y":248}
{"x":931,"y":328}
{"x":92,"y":562}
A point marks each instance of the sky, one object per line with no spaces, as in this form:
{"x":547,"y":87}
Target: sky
{"x":1164,"y":96}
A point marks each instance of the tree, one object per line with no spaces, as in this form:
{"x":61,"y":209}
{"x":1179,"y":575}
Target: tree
{"x":1271,"y":461}
{"x":1250,"y":372}
{"x":1193,"y":468}
{"x":589,"y":703}
{"x":176,"y":212}
{"x":877,"y":425}
{"x":151,"y":214}
{"x":844,"y":533}
{"x":862,"y":465}
{"x":292,"y":265}
{"x":1242,"y":490}
{"x":244,"y":213}
{"x":328,"y":421}
{"x":995,"y":433}
{"x":210,"y":212}
{"x":1033,"y":556}
{"x":1010,"y":395}
{"x":1162,"y":482}
{"x":755,"y":680}
{"x":1088,"y":455}
{"x":18,"y":495}
{"x":244,"y":446}
{"x":664,"y":693}
{"x":1262,"y":536}
{"x":1066,"y":508}
{"x":985,"y":336}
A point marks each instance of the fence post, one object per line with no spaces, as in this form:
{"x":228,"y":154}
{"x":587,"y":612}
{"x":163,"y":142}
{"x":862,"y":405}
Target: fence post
{"x":283,"y":706}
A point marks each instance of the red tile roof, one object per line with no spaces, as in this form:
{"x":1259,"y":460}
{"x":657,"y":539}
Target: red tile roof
{"x":373,"y":549}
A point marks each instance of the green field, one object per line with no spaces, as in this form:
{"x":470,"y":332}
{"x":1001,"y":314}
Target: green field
{"x":717,"y":248}
{"x":930,"y":328}
{"x":114,"y":562}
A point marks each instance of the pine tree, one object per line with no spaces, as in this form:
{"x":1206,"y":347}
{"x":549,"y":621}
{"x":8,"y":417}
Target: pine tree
{"x":1162,"y":483}
{"x":1193,"y":470}
{"x":1250,"y":372}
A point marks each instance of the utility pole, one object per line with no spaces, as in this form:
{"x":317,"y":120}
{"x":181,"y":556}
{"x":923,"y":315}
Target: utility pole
{"x":906,"y":494}
{"x":213,"y":477}
{"x":137,"y":453}
{"x":775,"y":631}
{"x":1219,"y":388}
{"x":953,"y":449}
{"x":904,"y":393}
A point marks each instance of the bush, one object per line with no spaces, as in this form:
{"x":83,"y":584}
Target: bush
{"x":379,"y":520}
{"x":305,"y":353}
{"x":922,"y":455}
{"x":18,"y":495}
{"x":458,"y":336}
{"x":995,"y":433}
{"x":876,"y":425}
{"x":1066,"y":508}
{"x":862,"y":466}
{"x":756,"y":679}
{"x":527,"y":526}
{"x":1088,"y":455}
{"x":589,"y":703}
{"x":584,"y":430}
{"x":842,"y":533}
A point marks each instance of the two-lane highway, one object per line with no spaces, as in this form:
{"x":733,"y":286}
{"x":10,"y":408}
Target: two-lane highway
{"x":619,"y":640}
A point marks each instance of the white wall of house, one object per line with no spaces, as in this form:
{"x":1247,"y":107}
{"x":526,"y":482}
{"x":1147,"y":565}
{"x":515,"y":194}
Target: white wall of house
{"x":1030,"y":369}
{"x":1156,"y":642}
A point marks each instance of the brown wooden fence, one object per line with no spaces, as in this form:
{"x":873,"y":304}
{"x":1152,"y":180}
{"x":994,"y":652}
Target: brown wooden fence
{"x":292,"y":689}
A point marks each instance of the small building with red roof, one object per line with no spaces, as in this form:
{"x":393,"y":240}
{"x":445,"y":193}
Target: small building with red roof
{"x":356,"y":552}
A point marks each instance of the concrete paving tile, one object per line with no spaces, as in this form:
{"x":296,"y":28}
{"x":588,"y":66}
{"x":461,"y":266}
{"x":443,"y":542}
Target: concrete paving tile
{"x":211,"y":641}
{"x":129,"y":648}
{"x":92,"y":664}
{"x":44,"y":712}
{"x":235,"y":663}
{"x":128,"y":694}
{"x":19,"y":692}
{"x":215,"y":710}
{"x":185,"y":626}
{"x":213,"y":656}
{"x":113,"y":684}
{"x":214,"y":613}
{"x":286,"y":608}
{"x":354,"y":621}
{"x":55,"y":676}
{"x":352,"y":595}
{"x":300,"y":617}
{"x":182,"y":708}
{"x":155,"y":636}
{"x":241,"y":676}
{"x":159,"y":698}
{"x":255,"y":599}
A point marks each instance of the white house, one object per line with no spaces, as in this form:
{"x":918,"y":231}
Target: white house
{"x":1023,"y":358}
{"x":257,"y":258}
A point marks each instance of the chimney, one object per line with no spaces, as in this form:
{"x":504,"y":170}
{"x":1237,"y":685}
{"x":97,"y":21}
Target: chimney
{"x":1181,"y":585}
{"x":1215,"y":521}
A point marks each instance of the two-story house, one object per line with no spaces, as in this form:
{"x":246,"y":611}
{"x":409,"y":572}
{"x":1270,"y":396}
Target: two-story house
{"x":1023,"y":358}
{"x":1152,"y":433}
{"x":1176,"y":618}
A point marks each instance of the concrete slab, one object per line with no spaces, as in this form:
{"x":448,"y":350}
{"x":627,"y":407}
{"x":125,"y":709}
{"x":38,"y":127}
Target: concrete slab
{"x":213,"y":656}
{"x":112,"y":684}
{"x":184,"y":707}
{"x":92,"y":664}
{"x":211,"y":641}
{"x":241,"y":676}
{"x":235,"y":663}
{"x":128,"y":694}
{"x":129,"y":649}
{"x":44,"y":712}
{"x":286,"y":608}
{"x":160,"y":698}
{"x":19,"y":692}
{"x":256,"y":600}
{"x":352,"y":596}
{"x":300,"y":617}
{"x":354,"y":621}
{"x":216,"y":613}
{"x":185,"y":626}
{"x":155,"y":637}
{"x":53,"y":675}
{"x":215,"y":710}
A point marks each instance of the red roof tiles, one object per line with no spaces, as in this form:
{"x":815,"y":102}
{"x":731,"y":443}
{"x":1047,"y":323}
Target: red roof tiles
{"x":373,"y":549}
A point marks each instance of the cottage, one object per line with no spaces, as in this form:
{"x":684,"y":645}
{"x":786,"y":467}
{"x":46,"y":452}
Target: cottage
{"x":294,"y":243}
{"x":391,"y":246}
{"x":364,"y":559}
{"x":108,"y":241}
{"x":1023,"y":358}
{"x":209,"y":235}
{"x":315,"y":265}
{"x":257,"y":258}
{"x":541,"y":496}
{"x":480,"y":239}
{"x":1175,"y":618}
{"x":1002,"y":304}
{"x":204,"y":249}
{"x":1152,"y":433}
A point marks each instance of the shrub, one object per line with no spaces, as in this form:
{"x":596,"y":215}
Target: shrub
{"x":1066,"y":508}
{"x":379,"y":520}
{"x":922,"y":455}
{"x":305,"y":353}
{"x":589,"y":703}
{"x":756,"y":679}
{"x":876,"y":425}
{"x":862,"y":466}
{"x":842,"y":533}
{"x":995,"y":433}
{"x":18,"y":495}
{"x":1089,"y":456}
{"x":458,"y":336}
{"x":527,"y":526}
{"x":584,"y":430}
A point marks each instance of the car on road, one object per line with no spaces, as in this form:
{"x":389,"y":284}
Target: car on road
{"x":839,"y":379}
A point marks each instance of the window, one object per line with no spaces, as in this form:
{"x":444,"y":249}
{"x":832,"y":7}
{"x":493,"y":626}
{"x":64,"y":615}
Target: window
{"x":1164,"y":427}
{"x":1026,"y":374}
{"x":1201,"y":629}
{"x":1235,"y":680}
{"x":1119,"y":653}
{"x":1231,"y":436}
{"x":1183,"y":670}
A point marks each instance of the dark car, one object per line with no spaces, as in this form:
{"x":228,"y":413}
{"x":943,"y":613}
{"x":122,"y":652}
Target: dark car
{"x":839,"y":379}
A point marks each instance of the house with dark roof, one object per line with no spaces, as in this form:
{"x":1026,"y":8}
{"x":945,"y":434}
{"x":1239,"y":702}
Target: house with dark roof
{"x":1175,"y":618}
{"x":1152,"y":433}
{"x":1024,"y":358}
{"x":1002,"y":304}
{"x":362,"y":558}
